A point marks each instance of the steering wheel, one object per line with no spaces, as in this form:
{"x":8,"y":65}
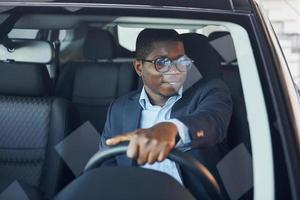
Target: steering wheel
{"x":184,"y":160}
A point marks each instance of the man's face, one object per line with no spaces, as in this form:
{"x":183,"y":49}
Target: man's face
{"x":163,"y":84}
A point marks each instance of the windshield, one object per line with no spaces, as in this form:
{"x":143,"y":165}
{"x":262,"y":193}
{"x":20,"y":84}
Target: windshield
{"x":194,"y":80}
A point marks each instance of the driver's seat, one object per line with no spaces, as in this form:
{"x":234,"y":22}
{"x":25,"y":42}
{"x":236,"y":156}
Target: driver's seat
{"x":199,"y":49}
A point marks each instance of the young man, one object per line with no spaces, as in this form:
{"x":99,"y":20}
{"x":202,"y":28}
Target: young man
{"x":161,"y":116}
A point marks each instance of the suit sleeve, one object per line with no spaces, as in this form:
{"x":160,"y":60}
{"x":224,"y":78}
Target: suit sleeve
{"x":106,"y":133}
{"x":209,"y":122}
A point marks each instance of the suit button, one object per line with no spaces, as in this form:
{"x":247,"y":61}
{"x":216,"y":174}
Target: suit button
{"x":200,"y":134}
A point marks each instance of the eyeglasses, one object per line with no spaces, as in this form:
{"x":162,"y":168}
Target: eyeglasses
{"x":164,"y":64}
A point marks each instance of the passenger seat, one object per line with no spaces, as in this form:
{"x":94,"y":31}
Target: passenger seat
{"x":238,"y":130}
{"x":199,"y":48}
{"x":31,"y":124}
{"x":94,"y":83}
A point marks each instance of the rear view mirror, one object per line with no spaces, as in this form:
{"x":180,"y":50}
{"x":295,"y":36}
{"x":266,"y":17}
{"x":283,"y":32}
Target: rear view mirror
{"x":32,"y":51}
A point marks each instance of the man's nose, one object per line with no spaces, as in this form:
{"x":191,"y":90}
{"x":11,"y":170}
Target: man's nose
{"x":173,"y":68}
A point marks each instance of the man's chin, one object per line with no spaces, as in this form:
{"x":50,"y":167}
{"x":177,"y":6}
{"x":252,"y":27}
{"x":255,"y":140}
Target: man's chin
{"x":169,"y":90}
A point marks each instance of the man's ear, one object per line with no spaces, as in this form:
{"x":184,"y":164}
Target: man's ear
{"x":138,"y":64}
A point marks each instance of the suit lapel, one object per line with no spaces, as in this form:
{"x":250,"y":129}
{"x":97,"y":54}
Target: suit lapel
{"x":132,"y":114}
{"x":180,"y":105}
{"x":131,"y":121}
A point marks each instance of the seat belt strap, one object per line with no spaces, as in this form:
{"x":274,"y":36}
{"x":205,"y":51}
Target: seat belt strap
{"x":6,"y":26}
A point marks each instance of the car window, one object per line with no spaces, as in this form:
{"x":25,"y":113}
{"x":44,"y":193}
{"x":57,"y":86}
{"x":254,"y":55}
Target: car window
{"x":298,"y":93}
{"x":92,"y":77}
{"x":127,"y":36}
{"x":23,"y":33}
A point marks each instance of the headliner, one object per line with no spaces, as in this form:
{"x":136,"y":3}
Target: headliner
{"x":206,"y":4}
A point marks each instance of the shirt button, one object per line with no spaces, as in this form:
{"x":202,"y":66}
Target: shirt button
{"x":200,"y":134}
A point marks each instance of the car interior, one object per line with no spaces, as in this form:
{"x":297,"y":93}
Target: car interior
{"x":56,"y":76}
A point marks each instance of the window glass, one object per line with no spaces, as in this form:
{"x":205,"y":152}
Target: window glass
{"x":231,"y":43}
{"x":23,"y":33}
{"x":62,"y":35}
{"x":127,"y":36}
{"x":65,"y":37}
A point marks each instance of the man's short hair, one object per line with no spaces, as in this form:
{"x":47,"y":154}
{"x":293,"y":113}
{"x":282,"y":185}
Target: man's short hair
{"x":147,"y":37}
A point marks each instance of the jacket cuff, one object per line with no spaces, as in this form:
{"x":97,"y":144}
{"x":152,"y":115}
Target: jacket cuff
{"x":184,"y":142}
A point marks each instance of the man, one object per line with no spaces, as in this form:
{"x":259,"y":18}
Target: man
{"x":161,"y":116}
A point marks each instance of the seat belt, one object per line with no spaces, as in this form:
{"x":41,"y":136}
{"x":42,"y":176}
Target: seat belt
{"x":6,"y":26}
{"x":54,"y":39}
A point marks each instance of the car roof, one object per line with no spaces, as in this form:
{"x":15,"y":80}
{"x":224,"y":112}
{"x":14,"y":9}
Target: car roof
{"x":228,"y":5}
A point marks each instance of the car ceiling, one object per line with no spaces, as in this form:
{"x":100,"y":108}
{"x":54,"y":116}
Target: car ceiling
{"x":47,"y":21}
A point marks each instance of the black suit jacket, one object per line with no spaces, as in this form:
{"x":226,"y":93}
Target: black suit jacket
{"x":205,"y":106}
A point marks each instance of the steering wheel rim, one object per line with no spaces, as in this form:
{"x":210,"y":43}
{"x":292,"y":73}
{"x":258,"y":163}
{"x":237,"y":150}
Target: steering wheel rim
{"x":210,"y":183}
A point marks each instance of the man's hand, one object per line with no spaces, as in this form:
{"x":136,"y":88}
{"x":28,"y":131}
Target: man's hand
{"x":149,"y":145}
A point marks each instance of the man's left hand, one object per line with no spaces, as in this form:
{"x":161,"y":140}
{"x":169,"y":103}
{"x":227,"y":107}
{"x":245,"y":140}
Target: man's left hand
{"x":149,"y":145}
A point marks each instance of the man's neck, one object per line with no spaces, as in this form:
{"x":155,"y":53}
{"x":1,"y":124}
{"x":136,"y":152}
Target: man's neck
{"x":159,"y":100}
{"x":156,"y":99}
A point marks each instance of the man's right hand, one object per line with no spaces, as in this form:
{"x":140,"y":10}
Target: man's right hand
{"x":149,"y":145}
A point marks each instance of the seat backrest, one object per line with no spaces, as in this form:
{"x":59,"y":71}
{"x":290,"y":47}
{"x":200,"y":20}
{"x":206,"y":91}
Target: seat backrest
{"x":94,"y":83}
{"x":197,"y":47}
{"x":209,"y":64}
{"x":31,"y":124}
{"x":238,"y":130}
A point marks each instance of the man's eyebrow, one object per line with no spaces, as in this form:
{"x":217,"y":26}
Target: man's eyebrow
{"x":166,"y":56}
{"x":180,"y":56}
{"x":160,"y":56}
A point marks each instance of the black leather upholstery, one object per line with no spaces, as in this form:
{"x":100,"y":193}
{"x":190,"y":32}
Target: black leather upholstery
{"x":217,"y":34}
{"x":32,"y":80}
{"x":238,"y":130}
{"x":198,"y":48}
{"x":99,"y":44}
{"x":93,"y":85}
{"x":31,"y":124}
{"x":64,"y":119}
{"x":24,"y":130}
{"x":214,"y":36}
{"x":17,"y":189}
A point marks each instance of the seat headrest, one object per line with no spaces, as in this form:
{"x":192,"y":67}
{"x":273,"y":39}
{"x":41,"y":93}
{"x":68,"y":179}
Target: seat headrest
{"x":197,"y":47}
{"x":223,"y":44}
{"x":99,"y":44}
{"x":217,"y":34}
{"x":20,"y":79}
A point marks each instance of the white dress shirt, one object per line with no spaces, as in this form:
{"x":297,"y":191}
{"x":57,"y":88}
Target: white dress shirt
{"x":153,"y":114}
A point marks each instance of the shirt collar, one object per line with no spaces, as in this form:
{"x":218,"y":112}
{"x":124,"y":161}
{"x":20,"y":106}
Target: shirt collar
{"x":145,"y":102}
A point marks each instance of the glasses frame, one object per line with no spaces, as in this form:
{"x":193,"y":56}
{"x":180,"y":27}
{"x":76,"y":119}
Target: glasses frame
{"x":169,"y":67}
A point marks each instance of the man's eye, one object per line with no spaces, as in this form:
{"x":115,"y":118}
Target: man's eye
{"x":185,"y":62}
{"x":183,"y":59}
{"x":163,"y":61}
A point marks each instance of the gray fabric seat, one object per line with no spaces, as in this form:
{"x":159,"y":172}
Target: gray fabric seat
{"x":31,"y":124}
{"x":94,"y":83}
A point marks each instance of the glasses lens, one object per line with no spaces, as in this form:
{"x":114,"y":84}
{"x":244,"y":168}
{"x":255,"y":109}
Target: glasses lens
{"x":162,"y":64}
{"x":184,"y":64}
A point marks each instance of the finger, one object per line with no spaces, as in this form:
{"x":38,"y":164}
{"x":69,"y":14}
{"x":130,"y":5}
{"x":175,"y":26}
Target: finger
{"x":154,"y":152}
{"x":143,"y":151}
{"x":133,"y":148}
{"x":142,"y":157}
{"x":163,"y":153}
{"x":152,"y":157}
{"x":120,"y":138}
